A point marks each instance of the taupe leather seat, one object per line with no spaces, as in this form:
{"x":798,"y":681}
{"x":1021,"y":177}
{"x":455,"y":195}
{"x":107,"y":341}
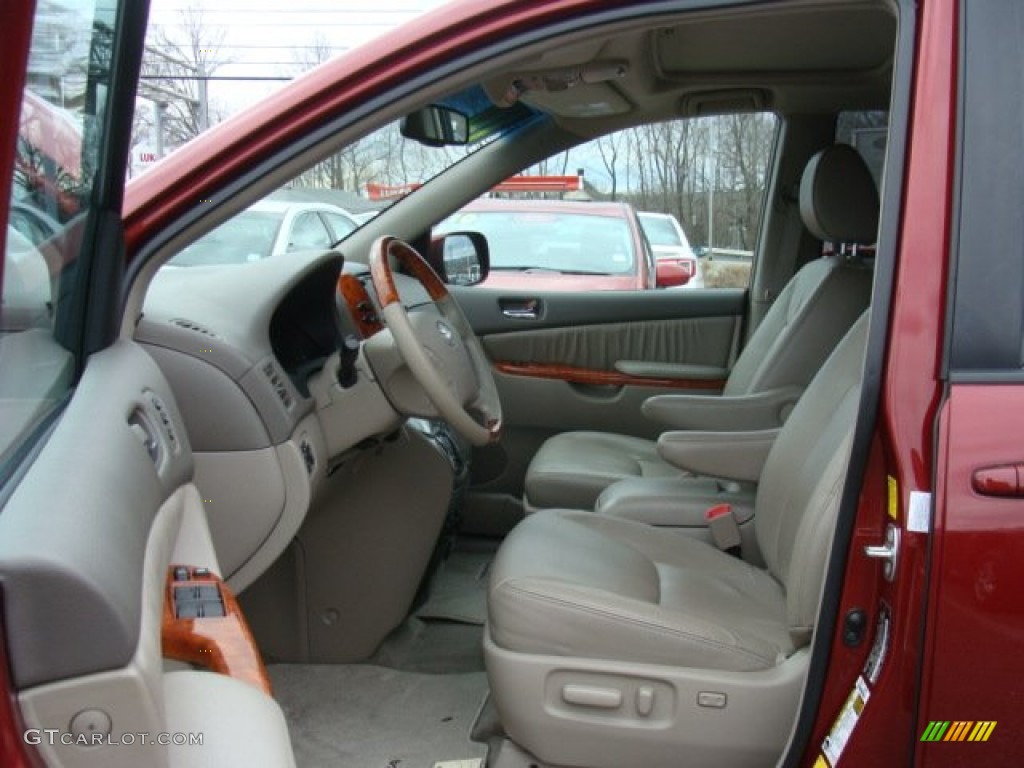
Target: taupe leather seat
{"x":611,"y":642}
{"x":838,"y":203}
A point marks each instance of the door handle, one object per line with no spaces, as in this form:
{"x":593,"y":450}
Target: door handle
{"x":1003,"y":481}
{"x":520,"y":309}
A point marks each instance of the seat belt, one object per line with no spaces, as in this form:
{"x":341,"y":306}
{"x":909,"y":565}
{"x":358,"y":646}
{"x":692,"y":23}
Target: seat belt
{"x":725,"y":531}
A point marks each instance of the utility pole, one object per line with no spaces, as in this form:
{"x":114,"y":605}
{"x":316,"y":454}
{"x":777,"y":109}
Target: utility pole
{"x":711,"y":186}
{"x":158,"y":127}
{"x":204,"y":99}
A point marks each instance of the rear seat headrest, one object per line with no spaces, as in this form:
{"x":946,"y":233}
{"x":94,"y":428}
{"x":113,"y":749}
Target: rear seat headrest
{"x":838,"y":198}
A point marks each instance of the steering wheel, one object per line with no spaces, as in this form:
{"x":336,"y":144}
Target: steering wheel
{"x":443,"y":354}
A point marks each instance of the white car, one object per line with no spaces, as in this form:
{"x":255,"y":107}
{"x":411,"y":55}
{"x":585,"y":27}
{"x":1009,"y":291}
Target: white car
{"x":669,"y":243}
{"x":269,"y":228}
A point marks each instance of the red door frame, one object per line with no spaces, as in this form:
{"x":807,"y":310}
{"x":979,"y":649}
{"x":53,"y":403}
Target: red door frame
{"x":903,"y":447}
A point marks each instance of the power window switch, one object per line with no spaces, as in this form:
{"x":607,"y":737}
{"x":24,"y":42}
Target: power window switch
{"x":188,"y":610}
{"x":212,"y":608}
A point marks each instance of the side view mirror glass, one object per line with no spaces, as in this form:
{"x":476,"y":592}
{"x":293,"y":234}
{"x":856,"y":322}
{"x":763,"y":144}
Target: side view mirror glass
{"x":462,"y":258}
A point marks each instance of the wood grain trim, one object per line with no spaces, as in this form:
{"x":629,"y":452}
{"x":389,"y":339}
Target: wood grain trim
{"x":221,"y":644}
{"x":360,"y":306}
{"x":384,"y":280}
{"x":575,"y":375}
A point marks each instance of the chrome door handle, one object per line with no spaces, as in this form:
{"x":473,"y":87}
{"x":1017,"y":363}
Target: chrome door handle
{"x":520,"y":314}
{"x":520,"y":309}
{"x":888,"y":553}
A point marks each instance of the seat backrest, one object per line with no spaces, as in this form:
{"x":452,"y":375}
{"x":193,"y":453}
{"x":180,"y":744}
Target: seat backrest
{"x":838,"y":203}
{"x":802,"y":481}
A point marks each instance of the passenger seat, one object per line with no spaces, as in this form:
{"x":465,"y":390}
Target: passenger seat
{"x":838,"y":203}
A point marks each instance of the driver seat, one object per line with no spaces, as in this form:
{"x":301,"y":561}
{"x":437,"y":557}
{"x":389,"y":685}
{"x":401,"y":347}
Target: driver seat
{"x":838,"y":203}
{"x":610,"y":642}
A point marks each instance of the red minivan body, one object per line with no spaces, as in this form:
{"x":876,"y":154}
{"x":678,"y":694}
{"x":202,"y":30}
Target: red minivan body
{"x":945,"y":467}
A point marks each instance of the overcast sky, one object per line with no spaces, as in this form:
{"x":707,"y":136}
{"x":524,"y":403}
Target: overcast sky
{"x":265,"y":38}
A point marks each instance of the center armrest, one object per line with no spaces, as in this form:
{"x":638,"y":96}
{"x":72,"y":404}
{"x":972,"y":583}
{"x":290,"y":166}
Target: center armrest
{"x":729,"y":455}
{"x":678,"y":502}
{"x":723,"y":413}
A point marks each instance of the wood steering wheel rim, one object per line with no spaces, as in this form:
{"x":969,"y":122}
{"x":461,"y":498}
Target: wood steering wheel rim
{"x":409,"y":347}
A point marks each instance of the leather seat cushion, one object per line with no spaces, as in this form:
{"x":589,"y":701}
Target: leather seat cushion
{"x":572,"y":583}
{"x":571,"y":469}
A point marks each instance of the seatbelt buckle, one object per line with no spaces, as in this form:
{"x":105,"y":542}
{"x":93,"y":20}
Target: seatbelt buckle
{"x":725,"y":531}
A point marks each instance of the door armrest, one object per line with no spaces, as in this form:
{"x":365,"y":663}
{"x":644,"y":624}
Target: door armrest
{"x":719,"y":413}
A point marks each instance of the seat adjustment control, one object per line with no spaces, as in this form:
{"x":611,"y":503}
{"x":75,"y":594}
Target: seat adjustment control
{"x":644,"y":700}
{"x":592,"y":696}
{"x":711,"y":699}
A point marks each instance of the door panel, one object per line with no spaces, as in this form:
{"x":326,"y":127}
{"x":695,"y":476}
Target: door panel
{"x":73,"y":533}
{"x":483,"y":307}
{"x":588,"y":362}
{"x":86,"y":538}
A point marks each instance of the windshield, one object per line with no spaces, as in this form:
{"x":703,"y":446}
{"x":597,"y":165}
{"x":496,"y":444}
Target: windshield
{"x":327,"y":201}
{"x":249,"y":236}
{"x":551,"y":240}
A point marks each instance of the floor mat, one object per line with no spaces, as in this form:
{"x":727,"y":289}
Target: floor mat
{"x":371,"y":717}
{"x":459,"y":589}
{"x":436,"y":647}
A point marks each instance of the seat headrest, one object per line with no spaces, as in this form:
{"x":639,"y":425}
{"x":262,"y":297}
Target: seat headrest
{"x":838,"y":198}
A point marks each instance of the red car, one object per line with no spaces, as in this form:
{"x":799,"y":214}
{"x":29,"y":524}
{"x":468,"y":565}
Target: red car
{"x":276,"y":513}
{"x":545,"y":245}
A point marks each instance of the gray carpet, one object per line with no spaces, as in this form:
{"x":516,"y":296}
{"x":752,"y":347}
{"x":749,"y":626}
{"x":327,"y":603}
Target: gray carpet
{"x":459,"y":589}
{"x":360,"y":716}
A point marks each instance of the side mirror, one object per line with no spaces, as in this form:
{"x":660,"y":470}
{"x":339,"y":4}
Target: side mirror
{"x":436,"y":126}
{"x":670,"y":274}
{"x":461,"y":258}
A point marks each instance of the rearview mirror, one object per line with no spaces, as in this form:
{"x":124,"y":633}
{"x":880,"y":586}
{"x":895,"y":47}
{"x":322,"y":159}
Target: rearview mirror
{"x":436,"y":126}
{"x":461,"y":258}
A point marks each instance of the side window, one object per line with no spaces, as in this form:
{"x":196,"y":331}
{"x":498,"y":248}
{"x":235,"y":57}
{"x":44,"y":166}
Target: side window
{"x":60,"y":132}
{"x":868,"y":133}
{"x":308,"y":231}
{"x":988,"y":303}
{"x":340,"y":226}
{"x":694,"y":188}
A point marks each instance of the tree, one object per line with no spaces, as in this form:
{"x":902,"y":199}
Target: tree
{"x":611,"y":147}
{"x":745,"y":147}
{"x":175,"y":68}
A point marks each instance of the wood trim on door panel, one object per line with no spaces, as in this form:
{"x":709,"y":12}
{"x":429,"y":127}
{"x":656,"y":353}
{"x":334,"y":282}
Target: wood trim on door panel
{"x":222,"y":644}
{"x":575,"y":375}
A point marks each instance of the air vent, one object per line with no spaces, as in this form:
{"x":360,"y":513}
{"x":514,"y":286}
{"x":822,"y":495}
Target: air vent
{"x":277,"y":382}
{"x":188,"y":325}
{"x":165,"y":418}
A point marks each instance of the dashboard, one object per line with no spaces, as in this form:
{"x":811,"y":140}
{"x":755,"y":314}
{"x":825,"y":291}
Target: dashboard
{"x":251,"y":353}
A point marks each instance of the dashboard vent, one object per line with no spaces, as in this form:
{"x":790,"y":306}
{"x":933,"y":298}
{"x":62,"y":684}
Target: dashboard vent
{"x":188,"y":325}
{"x":276,"y":380}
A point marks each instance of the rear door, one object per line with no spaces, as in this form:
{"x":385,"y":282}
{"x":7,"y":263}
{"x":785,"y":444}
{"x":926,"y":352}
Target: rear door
{"x":970,"y":708}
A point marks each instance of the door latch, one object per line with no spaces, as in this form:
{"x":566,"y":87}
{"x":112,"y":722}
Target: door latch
{"x":888,"y":553}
